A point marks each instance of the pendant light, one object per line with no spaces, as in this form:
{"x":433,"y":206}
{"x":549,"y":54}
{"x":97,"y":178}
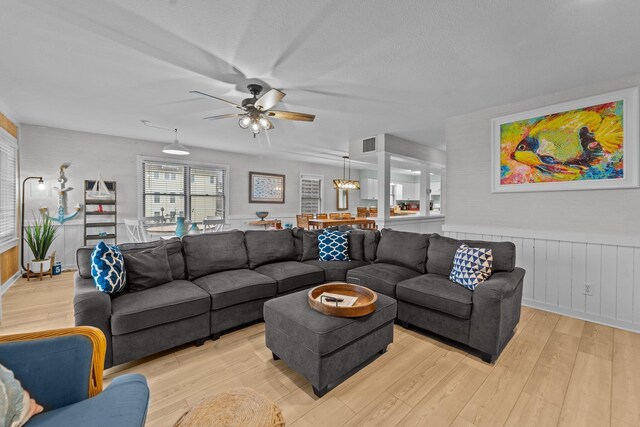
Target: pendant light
{"x":175,"y":147}
{"x":346,"y":183}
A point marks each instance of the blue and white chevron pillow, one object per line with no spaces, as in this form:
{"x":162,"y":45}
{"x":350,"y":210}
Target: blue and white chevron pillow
{"x":107,"y":268}
{"x":471,"y":266}
{"x":333,"y":246}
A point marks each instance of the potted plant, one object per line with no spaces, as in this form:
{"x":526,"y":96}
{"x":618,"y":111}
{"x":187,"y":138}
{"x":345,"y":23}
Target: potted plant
{"x":39,"y":238}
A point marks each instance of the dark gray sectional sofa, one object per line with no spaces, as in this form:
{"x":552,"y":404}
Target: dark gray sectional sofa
{"x":222,"y":280}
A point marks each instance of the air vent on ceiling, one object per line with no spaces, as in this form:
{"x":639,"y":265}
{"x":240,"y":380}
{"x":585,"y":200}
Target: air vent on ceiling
{"x":369,"y":145}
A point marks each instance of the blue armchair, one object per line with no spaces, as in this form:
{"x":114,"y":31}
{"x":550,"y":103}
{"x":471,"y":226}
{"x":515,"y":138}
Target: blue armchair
{"x":62,"y":370}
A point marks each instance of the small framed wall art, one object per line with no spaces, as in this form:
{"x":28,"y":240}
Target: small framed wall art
{"x":589,"y":143}
{"x":266,"y":187}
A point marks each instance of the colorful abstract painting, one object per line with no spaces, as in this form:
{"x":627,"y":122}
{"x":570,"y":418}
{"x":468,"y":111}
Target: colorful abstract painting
{"x":586,"y":144}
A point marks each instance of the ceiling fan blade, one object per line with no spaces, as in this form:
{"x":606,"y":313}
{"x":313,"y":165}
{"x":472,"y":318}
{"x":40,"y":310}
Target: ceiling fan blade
{"x":269,"y":99}
{"x":223,"y":116}
{"x":290,"y":115}
{"x":215,"y":97}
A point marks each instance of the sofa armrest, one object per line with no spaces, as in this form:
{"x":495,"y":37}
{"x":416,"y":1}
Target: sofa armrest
{"x":123,"y":403}
{"x":500,"y":285}
{"x":58,"y":367}
{"x":93,"y":308}
{"x":496,"y":311}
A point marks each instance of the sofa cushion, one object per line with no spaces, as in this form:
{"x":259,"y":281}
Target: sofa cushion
{"x":107,"y":268}
{"x":146,"y":269}
{"x":270,"y":246}
{"x":442,"y":250}
{"x":437,"y":293}
{"x":333,"y":246}
{"x":403,"y":248}
{"x":310,"y":244}
{"x":471,"y":266}
{"x":233,"y":287}
{"x":356,"y":245}
{"x":380,"y":277}
{"x":297,"y":241}
{"x":176,"y":300}
{"x":208,"y":253}
{"x":174,"y":254}
{"x":322,"y":334}
{"x":336,"y":270}
{"x":371,"y":240}
{"x":292,"y":275}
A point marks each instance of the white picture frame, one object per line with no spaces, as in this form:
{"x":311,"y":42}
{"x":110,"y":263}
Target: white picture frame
{"x":631,"y":149}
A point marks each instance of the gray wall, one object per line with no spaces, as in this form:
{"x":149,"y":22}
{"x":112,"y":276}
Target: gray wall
{"x":43,"y":149}
{"x":469,"y":198}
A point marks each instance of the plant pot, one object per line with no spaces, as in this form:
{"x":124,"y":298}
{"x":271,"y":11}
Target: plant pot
{"x":40,"y":266}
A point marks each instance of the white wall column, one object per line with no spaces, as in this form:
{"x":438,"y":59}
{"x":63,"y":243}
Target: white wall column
{"x":384,"y":186}
{"x":424,"y":186}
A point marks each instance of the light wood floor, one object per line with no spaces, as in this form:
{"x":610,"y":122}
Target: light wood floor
{"x":556,"y":371}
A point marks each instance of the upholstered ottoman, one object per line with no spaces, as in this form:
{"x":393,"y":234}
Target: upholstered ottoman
{"x":324,"y":349}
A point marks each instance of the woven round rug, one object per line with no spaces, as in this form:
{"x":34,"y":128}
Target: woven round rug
{"x":240,"y":406}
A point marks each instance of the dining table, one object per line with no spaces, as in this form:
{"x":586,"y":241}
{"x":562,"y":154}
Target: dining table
{"x":361,"y":222}
{"x":168,"y":229}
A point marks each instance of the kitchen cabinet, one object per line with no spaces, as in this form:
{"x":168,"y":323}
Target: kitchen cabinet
{"x":369,"y":189}
{"x":410,"y":191}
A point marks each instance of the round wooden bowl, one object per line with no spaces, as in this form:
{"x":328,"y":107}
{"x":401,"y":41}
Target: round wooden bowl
{"x":366,"y":303}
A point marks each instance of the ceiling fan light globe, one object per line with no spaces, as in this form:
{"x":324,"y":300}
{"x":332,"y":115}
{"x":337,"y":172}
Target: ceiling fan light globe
{"x":244,"y":122}
{"x":264,"y":123}
{"x":255,"y":127}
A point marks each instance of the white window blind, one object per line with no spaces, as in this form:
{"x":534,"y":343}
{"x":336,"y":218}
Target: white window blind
{"x":173,"y":189}
{"x":310,"y":194}
{"x":207,"y":193}
{"x":164,"y":189}
{"x":8,"y":197}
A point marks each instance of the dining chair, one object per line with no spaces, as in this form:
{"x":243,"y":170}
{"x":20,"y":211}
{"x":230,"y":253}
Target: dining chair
{"x":322,"y":216}
{"x":212,"y":225}
{"x":335,"y":215}
{"x":302,"y":221}
{"x":361,"y":212}
{"x":345,"y":215}
{"x":373,"y":212}
{"x":133,"y":230}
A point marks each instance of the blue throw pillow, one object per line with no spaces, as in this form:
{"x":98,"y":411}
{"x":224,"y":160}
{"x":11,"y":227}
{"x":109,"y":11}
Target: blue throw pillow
{"x":333,"y":246}
{"x":471,"y":266}
{"x":107,"y":268}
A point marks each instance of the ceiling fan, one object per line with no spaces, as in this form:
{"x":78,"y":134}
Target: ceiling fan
{"x":256,"y":111}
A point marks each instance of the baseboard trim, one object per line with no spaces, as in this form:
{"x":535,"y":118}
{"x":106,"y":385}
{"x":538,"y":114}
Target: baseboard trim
{"x":5,"y":286}
{"x":614,"y":323}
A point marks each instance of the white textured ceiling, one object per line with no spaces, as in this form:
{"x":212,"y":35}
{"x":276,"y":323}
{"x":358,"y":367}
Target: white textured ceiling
{"x":363,"y":67}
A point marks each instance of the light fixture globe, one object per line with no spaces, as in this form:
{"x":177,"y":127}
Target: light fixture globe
{"x":264,"y":123}
{"x":255,"y":127}
{"x":244,"y":122}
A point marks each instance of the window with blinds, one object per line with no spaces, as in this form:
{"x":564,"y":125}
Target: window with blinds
{"x":310,"y":194}
{"x":206,"y":197}
{"x":8,"y":196}
{"x":173,"y":189}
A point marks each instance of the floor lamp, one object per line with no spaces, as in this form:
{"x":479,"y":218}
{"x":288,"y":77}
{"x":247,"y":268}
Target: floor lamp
{"x":40,"y":187}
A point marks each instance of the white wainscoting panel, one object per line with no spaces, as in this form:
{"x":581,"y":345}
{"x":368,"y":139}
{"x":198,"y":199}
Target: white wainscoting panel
{"x":558,"y":270}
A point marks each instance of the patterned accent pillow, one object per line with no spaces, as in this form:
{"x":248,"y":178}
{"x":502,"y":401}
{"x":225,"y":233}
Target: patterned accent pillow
{"x":16,"y":405}
{"x":333,"y":246}
{"x":471,"y":266}
{"x":107,"y":268}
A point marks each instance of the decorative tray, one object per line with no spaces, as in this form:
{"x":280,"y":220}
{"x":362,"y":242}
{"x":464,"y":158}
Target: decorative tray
{"x":364,"y":304}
